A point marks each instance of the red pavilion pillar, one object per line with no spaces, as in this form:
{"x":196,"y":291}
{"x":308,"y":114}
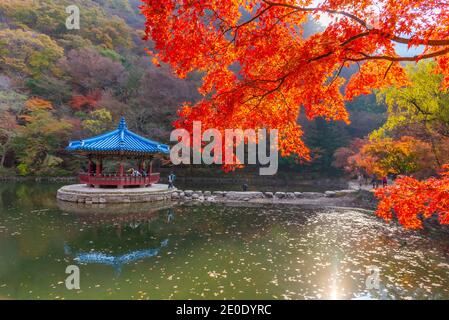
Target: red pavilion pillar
{"x":141,"y":169}
{"x":90,"y":165}
{"x":98,"y":168}
{"x":90,"y":171}
{"x":121,"y":173}
{"x":121,"y":168}
{"x":150,"y":170}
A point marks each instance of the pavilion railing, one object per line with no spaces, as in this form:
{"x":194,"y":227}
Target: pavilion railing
{"x":117,"y":180}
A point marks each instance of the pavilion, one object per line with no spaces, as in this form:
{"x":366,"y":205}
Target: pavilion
{"x":119,"y":145}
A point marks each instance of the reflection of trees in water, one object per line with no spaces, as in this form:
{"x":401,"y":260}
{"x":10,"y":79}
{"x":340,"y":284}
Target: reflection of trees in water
{"x":116,"y":235}
{"x":246,"y":224}
{"x":112,"y":211}
{"x":121,"y":233}
{"x":30,"y":195}
{"x":120,"y":240}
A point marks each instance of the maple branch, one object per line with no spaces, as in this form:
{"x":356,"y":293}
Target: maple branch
{"x":388,"y":69}
{"x":381,"y":57}
{"x":337,"y":75}
{"x":371,"y":30}
{"x":353,"y":38}
{"x":331,"y":11}
{"x":251,"y":20}
{"x":440,"y":42}
{"x":253,"y":84}
{"x":237,"y":27}
{"x":324,"y":55}
{"x":262,"y":96}
{"x":399,"y":59}
{"x":398,"y":39}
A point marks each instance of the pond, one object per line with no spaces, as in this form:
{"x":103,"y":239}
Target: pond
{"x":166,"y":251}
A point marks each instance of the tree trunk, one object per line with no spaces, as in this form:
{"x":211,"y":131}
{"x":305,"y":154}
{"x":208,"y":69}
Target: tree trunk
{"x":2,"y":161}
{"x":5,"y":148}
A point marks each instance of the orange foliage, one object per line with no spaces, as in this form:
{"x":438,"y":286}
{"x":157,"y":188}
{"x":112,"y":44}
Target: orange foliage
{"x":259,"y":69}
{"x":412,"y":200}
{"x":385,"y":156}
{"x":89,"y":101}
{"x":35,"y":104}
{"x":388,"y":156}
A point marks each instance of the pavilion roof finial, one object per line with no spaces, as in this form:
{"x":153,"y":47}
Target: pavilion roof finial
{"x":122,"y":125}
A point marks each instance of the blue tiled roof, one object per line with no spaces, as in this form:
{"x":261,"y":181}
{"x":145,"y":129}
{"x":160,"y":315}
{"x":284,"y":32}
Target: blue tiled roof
{"x":118,"y":140}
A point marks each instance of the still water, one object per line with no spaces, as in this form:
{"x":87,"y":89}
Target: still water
{"x":210,"y":252}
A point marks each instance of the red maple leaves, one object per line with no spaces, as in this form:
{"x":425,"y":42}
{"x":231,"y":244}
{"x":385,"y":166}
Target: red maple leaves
{"x":411,"y":200}
{"x":259,"y":69}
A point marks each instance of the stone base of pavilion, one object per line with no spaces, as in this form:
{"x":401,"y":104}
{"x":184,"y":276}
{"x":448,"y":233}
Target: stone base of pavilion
{"x":82,"y":193}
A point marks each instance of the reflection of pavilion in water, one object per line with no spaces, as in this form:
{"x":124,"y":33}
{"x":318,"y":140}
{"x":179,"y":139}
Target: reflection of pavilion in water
{"x":112,"y":212}
{"x":124,"y":227}
{"x":116,"y":261}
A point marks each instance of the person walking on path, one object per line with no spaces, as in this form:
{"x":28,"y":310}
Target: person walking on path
{"x":360,"y":180}
{"x":384,"y":181}
{"x":374,"y":181}
{"x":171,"y":180}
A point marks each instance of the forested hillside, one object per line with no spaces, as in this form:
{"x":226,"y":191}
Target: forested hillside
{"x":58,"y":84}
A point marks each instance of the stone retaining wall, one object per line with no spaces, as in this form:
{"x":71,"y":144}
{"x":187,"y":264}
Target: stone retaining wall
{"x":83,"y":194}
{"x":159,"y":192}
{"x":256,"y":196}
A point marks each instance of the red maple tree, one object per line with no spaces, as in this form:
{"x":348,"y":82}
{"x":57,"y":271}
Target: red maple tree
{"x":259,"y":69}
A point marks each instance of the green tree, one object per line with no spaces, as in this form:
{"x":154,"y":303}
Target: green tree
{"x":49,"y":17}
{"x":39,"y":140}
{"x":28,"y":53}
{"x":420,"y":102}
{"x":11,"y":100}
{"x":420,"y":109}
{"x":324,"y":138}
{"x":52,"y":88}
